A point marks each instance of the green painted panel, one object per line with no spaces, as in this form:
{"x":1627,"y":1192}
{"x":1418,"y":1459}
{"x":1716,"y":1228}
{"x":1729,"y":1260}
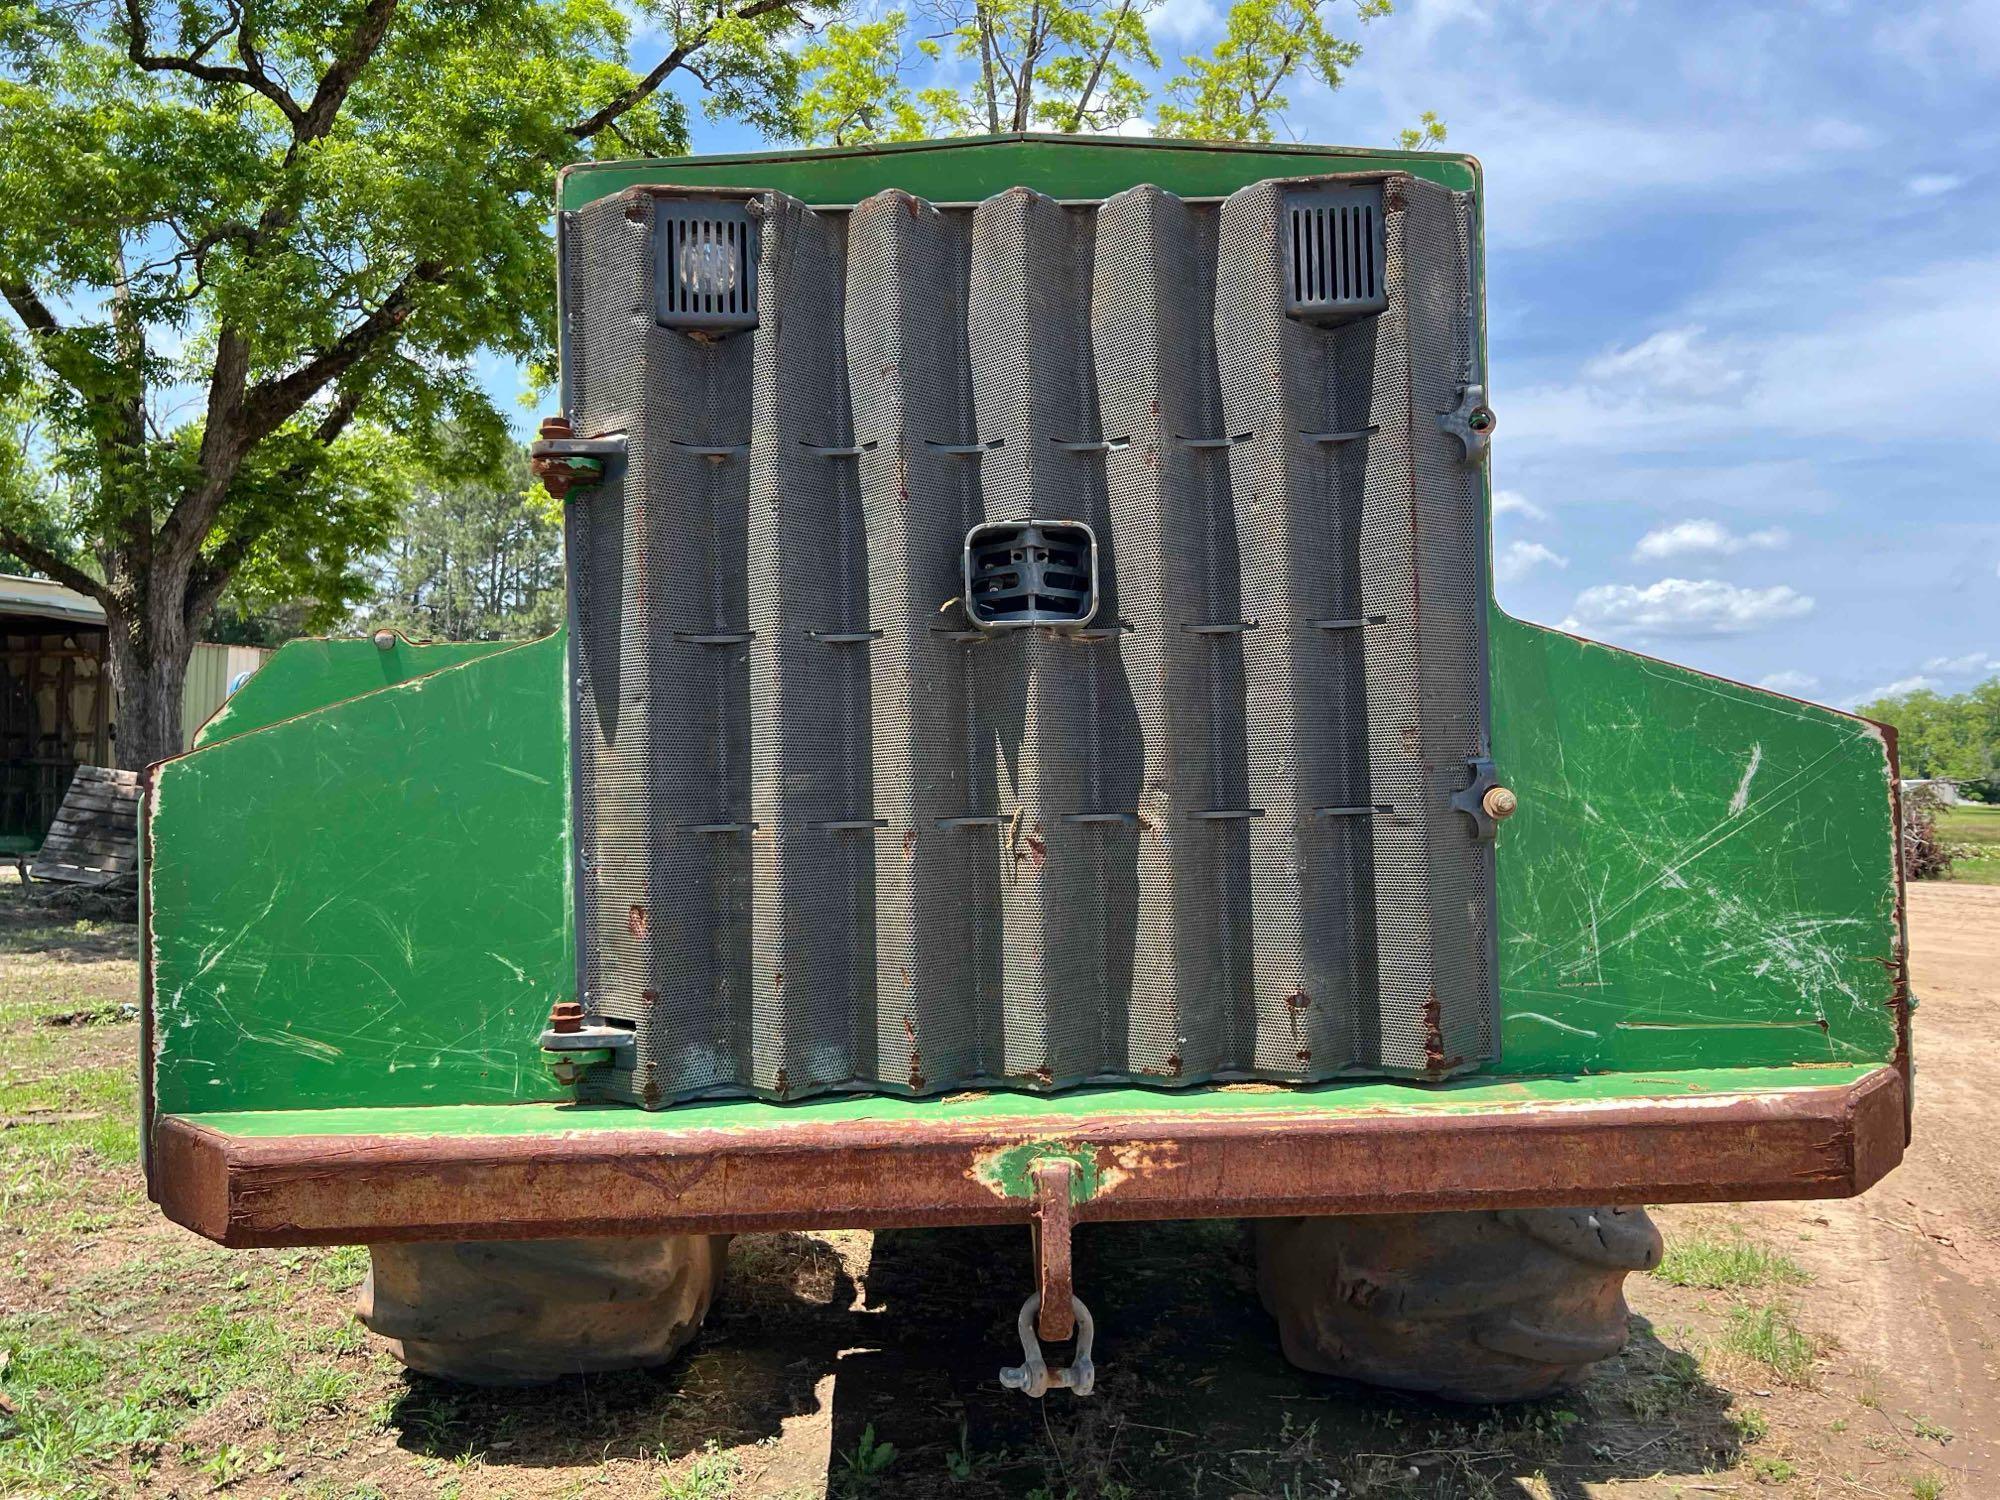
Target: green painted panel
{"x":368,"y":905}
{"x":306,"y":675}
{"x":960,"y":171}
{"x":1462,"y":1096}
{"x":1700,"y":874}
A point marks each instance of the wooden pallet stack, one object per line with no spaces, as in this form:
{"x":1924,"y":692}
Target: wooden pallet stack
{"x":95,"y":837}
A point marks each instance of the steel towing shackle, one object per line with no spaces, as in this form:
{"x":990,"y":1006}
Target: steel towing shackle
{"x":1033,"y":1377}
{"x":1054,"y":1179}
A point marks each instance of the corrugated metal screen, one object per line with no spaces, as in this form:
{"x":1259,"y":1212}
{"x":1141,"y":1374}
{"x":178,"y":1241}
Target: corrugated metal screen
{"x":830,"y":835}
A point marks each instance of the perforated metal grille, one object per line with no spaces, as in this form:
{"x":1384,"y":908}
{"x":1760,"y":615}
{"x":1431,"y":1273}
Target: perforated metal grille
{"x":705,"y":264}
{"x":832,"y":833}
{"x":1334,"y":251}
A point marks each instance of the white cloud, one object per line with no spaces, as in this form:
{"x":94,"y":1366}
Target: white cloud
{"x":1684,"y":607}
{"x":1929,"y":334}
{"x":1518,"y":559}
{"x":1699,"y":537}
{"x":1971,"y":664}
{"x":1916,"y":683}
{"x":1184,"y":20}
{"x":1514,"y":503}
{"x":1672,"y":362}
{"x":1930,"y":184}
{"x":1798,"y":684}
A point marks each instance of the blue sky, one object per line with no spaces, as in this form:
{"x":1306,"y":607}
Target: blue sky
{"x":1744,"y":291}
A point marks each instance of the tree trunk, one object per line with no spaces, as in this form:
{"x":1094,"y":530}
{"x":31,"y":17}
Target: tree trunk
{"x":149,"y":663}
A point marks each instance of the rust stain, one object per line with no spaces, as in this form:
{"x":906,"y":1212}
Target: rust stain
{"x":636,"y":921}
{"x":1809,"y":1142}
{"x":1435,"y":1060}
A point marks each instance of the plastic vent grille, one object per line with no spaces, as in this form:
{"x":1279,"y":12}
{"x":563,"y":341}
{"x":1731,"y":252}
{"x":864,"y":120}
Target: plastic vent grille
{"x":705,"y":264}
{"x":1334,"y":253}
{"x":1031,"y":573}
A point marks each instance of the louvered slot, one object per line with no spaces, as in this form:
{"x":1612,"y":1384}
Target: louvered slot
{"x":1333,"y":245}
{"x":704,"y":264}
{"x":1031,"y":573}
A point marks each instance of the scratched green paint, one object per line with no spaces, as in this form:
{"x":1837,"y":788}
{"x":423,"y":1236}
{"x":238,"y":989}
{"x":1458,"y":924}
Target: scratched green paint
{"x":964,"y":171}
{"x":1036,"y":1111}
{"x":302,"y":676}
{"x":368,"y":904}
{"x":361,"y":914}
{"x":1700,"y":874}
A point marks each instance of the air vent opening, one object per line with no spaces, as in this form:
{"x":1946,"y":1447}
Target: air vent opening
{"x":1030,"y":573}
{"x":1333,"y":252}
{"x":704,"y":264}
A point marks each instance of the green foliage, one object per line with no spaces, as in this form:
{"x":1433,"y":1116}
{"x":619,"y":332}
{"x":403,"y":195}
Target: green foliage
{"x":1068,"y":67}
{"x":1956,"y":736}
{"x":1234,"y":93}
{"x":472,"y":560}
{"x":868,"y":1461}
{"x":251,"y":251}
{"x":855,"y":94}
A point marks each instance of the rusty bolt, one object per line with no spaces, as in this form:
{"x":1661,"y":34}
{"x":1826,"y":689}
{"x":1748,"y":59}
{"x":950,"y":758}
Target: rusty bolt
{"x":1500,"y":803}
{"x":385,"y":640}
{"x":566,"y":1016}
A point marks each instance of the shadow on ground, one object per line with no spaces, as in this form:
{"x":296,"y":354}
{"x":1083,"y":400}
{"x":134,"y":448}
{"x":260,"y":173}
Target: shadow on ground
{"x":894,"y":1371}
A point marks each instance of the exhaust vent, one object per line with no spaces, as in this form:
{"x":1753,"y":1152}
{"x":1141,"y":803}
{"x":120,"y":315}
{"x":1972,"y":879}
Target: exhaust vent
{"x":1334,"y":253}
{"x":1030,"y":573}
{"x":704,"y":264}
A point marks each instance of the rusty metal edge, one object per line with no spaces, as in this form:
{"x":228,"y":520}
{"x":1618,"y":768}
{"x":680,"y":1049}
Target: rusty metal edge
{"x":307,"y":1190}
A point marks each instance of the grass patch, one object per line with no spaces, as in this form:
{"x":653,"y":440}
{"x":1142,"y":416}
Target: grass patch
{"x":80,"y":1403}
{"x":1975,"y":827}
{"x":1768,"y":1336}
{"x":54,"y":1121}
{"x":711,"y":1476}
{"x":1727,"y":1264}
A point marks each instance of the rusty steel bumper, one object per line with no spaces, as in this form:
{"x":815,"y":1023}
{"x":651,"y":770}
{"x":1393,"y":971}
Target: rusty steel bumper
{"x":245,"y":1190}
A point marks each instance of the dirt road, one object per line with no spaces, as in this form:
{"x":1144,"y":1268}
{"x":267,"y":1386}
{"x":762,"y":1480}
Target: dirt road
{"x":1815,"y":1349}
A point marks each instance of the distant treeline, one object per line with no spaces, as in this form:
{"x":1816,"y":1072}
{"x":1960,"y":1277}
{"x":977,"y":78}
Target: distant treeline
{"x":1954,"y":736}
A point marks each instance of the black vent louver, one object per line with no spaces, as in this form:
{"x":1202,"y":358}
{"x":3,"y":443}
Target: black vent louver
{"x":1030,"y":573}
{"x":704,"y":264}
{"x":1334,"y":253}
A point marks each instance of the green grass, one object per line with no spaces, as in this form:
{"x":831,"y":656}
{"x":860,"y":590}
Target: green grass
{"x":56,"y":1120}
{"x":80,"y":1401}
{"x":1978,"y":825}
{"x":712,"y":1476}
{"x":1727,"y":1264}
{"x":1768,"y":1336}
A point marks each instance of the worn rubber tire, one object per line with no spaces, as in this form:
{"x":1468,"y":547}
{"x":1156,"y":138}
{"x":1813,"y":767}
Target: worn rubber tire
{"x":1483,"y":1306}
{"x":523,"y":1312}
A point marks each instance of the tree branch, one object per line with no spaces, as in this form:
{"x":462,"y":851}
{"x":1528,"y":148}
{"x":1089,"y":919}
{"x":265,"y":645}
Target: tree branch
{"x":665,"y":68}
{"x":68,"y":574}
{"x":261,"y":409}
{"x":138,"y":45}
{"x":270,"y":402}
{"x":33,"y":312}
{"x":1082,"y":111}
{"x":212,"y":577}
{"x":317,"y":118}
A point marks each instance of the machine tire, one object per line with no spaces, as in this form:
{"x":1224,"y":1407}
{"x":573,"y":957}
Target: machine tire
{"x":1485,"y":1306}
{"x":524,"y":1312}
